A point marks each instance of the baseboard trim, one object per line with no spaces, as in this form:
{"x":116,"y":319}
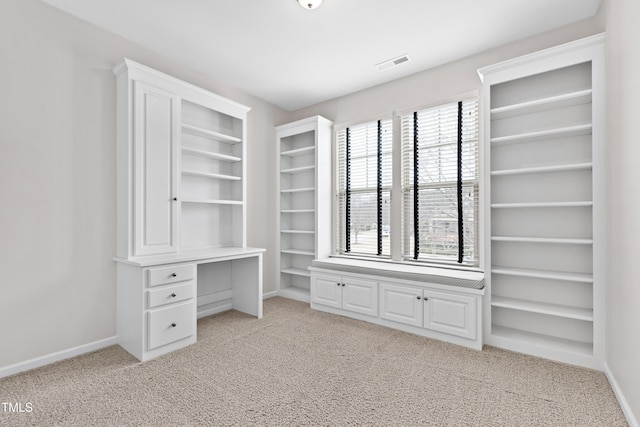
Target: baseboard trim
{"x":48,"y":359}
{"x":624,"y":405}
{"x":267,"y":295}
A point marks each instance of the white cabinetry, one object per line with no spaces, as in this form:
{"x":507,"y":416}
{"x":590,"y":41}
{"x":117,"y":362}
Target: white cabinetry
{"x":304,"y":180}
{"x":445,"y":312}
{"x":402,"y":297}
{"x":347,"y":293}
{"x":544,"y":163}
{"x":181,"y":213}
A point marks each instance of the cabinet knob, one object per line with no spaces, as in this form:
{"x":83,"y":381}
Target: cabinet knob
{"x":344,"y":284}
{"x":175,"y":199}
{"x":173,"y":295}
{"x":425,"y":298}
{"x":173,"y":325}
{"x":173,"y":275}
{"x":338,"y":284}
{"x":418,"y":297}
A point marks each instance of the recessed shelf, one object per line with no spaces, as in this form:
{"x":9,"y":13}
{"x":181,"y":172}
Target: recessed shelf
{"x":297,"y":252}
{"x":216,"y":136}
{"x":557,"y":310}
{"x":210,"y":154}
{"x":298,"y":231}
{"x":212,"y":175}
{"x":543,"y":104}
{"x":213,"y":201}
{"x":542,"y":205}
{"x":583,"y":129}
{"x":544,"y":274}
{"x":301,"y":169}
{"x":544,"y":169}
{"x":296,"y":272}
{"x":297,"y":190}
{"x":298,"y":151}
{"x":296,"y":211}
{"x":539,"y":340}
{"x":524,"y":239}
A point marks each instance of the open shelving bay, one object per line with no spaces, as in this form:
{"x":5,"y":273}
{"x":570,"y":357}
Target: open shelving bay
{"x":211,"y":177}
{"x":543,"y":206}
{"x":304,"y":224}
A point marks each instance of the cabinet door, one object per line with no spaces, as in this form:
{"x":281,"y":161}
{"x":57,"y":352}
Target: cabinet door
{"x":360,"y":296}
{"x":155,"y":170}
{"x":401,"y":304}
{"x":326,"y":290}
{"x":450,"y":313}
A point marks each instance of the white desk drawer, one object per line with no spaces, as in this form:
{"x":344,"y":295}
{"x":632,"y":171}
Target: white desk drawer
{"x":169,"y":295}
{"x":171,"y":274}
{"x":170,"y":324}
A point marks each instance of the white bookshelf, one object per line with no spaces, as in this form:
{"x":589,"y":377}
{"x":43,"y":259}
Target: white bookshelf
{"x":543,"y":203}
{"x":304,"y":225}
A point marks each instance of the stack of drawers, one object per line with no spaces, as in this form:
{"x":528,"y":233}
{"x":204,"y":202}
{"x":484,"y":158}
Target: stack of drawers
{"x":170,"y":304}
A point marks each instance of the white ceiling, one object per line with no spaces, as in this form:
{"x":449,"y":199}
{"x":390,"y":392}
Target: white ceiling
{"x":293,"y":58}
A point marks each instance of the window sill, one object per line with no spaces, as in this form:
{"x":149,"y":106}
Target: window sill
{"x":404,"y":271}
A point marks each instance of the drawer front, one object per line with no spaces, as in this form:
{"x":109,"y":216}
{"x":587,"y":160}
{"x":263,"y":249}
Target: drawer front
{"x":173,"y":323}
{"x":170,"y":274}
{"x":169,"y":294}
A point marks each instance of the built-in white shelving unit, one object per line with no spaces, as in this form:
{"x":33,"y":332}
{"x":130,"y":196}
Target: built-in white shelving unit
{"x":304,"y":177}
{"x":181,"y":236}
{"x":544,"y":211}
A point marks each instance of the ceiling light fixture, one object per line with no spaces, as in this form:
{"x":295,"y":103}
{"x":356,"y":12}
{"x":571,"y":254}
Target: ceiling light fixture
{"x":310,"y":4}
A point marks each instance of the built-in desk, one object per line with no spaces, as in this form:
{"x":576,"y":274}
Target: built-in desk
{"x":161,"y":296}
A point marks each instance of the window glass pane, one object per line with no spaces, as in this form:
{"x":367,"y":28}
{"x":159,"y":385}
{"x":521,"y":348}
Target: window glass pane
{"x":430,"y":162}
{"x":364,"y":168}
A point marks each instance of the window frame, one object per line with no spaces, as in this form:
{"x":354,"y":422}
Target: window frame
{"x":396,"y":222}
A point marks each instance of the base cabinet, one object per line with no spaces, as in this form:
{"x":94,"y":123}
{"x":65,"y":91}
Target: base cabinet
{"x":156,"y":308}
{"x":438,"y":311}
{"x":447,"y":313}
{"x":355,"y":295}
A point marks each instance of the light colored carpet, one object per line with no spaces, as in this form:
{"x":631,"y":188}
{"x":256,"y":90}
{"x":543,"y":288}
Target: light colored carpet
{"x":297,"y":366}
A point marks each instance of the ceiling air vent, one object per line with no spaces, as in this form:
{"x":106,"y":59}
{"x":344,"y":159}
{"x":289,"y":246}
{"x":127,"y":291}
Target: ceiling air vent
{"x":393,"y":62}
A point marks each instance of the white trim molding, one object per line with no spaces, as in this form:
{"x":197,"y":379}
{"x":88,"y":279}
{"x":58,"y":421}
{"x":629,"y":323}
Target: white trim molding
{"x":48,"y":359}
{"x":624,"y":405}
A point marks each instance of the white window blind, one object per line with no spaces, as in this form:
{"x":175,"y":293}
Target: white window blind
{"x":364,"y":188}
{"x":440,"y":183}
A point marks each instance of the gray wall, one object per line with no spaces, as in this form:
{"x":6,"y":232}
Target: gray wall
{"x":623,"y":189}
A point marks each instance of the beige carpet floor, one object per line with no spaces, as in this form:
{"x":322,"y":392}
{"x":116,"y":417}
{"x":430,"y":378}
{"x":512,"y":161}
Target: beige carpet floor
{"x":297,"y":366}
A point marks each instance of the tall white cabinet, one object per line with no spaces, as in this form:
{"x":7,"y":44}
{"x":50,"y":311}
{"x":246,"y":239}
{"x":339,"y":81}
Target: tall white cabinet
{"x":181,"y":213}
{"x":544,"y":203}
{"x":304,"y":180}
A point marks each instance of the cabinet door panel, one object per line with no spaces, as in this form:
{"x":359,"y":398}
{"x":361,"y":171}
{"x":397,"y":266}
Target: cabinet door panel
{"x":450,"y":313}
{"x":326,"y":290}
{"x":360,"y":296}
{"x":155,"y":134}
{"x":401,"y":304}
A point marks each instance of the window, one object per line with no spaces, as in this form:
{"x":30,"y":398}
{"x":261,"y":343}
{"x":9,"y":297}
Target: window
{"x":434,"y":217}
{"x":364,"y":188}
{"x":440,"y":183}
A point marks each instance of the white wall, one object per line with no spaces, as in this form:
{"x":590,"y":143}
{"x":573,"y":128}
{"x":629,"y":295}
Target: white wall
{"x":623,"y":115}
{"x":57,"y":177}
